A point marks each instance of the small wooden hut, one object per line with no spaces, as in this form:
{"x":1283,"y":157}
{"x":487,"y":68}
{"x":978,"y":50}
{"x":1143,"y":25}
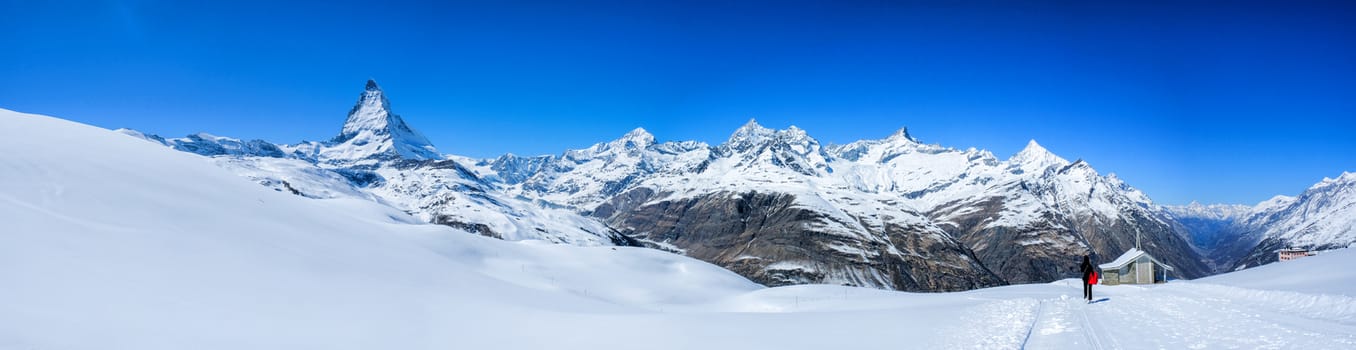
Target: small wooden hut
{"x":1134,"y":267}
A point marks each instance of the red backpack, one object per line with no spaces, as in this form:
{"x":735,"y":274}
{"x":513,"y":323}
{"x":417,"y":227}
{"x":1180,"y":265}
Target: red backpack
{"x":1094,"y":278}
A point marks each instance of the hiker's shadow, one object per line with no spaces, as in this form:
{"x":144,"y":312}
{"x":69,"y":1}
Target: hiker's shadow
{"x":1100,"y":300}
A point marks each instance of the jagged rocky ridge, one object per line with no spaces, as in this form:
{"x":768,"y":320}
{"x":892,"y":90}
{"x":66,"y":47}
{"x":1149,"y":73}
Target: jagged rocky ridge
{"x":890,"y":213}
{"x":377,"y":156}
{"x":774,"y":205}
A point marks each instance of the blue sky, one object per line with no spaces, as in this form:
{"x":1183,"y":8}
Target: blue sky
{"x":1218,"y":102}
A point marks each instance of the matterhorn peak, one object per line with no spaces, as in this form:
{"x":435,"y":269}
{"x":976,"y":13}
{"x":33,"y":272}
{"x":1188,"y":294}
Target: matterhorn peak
{"x":373,"y":131}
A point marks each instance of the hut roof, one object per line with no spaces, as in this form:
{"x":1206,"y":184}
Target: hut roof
{"x":1131,"y":255}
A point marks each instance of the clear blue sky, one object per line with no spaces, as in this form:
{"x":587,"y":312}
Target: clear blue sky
{"x":1226,"y":102}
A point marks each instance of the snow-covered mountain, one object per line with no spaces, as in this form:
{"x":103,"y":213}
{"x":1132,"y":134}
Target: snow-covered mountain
{"x":378,"y":157}
{"x":776,"y":205}
{"x":1322,"y":217}
{"x":781,"y":208}
{"x":114,"y":243}
{"x":763,"y":204}
{"x":1236,"y":236}
{"x":372,"y":133}
{"x":1218,"y":212}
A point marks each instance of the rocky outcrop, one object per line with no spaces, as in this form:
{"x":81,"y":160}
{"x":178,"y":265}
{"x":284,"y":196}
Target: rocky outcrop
{"x":772,"y":240}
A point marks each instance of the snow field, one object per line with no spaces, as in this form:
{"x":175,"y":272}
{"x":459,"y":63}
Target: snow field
{"x":110,"y":242}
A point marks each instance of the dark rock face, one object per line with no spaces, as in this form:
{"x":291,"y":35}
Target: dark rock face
{"x":1156,"y":237}
{"x":1051,"y":248}
{"x":1041,"y":253}
{"x":476,"y":228}
{"x":771,"y":240}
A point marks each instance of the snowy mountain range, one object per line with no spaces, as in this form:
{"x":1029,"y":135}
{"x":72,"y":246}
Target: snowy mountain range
{"x":115,"y":243}
{"x":776,"y":206}
{"x":781,"y":208}
{"x":1210,"y":227}
{"x":1320,"y":218}
{"x":377,"y":156}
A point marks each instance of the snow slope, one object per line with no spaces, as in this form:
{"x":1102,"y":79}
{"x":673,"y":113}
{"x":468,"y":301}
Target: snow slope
{"x":114,"y":243}
{"x":1313,"y":274}
{"x":111,"y":242}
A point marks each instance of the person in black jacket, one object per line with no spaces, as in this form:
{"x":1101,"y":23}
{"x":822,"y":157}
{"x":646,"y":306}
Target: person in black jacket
{"x":1086,"y":268}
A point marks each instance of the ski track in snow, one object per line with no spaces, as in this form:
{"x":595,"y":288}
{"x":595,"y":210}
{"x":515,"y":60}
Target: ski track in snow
{"x":1055,"y":327}
{"x":1091,"y":329}
{"x":1040,"y":311}
{"x":1184,"y":317}
{"x":999,"y":324}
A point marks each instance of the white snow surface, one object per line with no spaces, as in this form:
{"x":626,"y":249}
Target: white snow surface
{"x":115,"y":243}
{"x":292,"y":175}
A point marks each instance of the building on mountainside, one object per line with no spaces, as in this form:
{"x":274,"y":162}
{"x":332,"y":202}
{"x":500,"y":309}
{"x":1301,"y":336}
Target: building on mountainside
{"x":1134,"y":267}
{"x":1293,"y":253}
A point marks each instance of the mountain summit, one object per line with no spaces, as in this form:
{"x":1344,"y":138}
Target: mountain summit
{"x":372,"y":131}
